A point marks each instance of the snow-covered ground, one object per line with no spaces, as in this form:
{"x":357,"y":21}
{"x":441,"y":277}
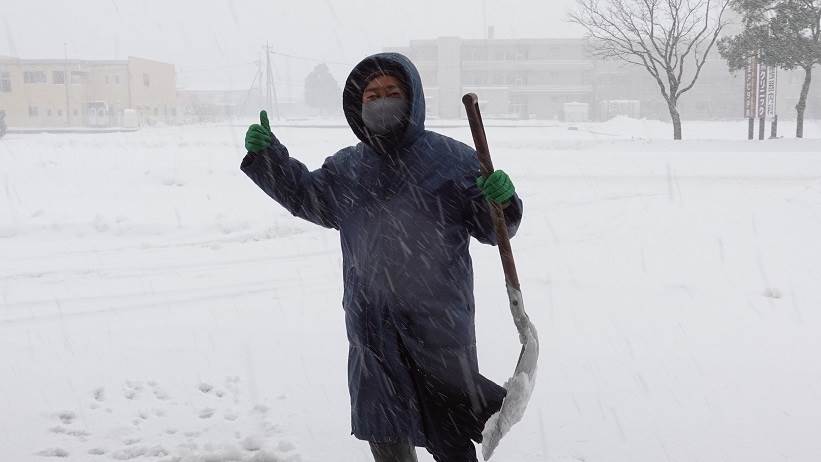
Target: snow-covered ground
{"x":157,"y":306}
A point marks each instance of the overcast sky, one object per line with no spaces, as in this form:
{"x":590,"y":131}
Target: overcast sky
{"x":215,"y":43}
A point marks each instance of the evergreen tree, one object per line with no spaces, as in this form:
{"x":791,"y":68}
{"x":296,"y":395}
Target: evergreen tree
{"x":322,"y":91}
{"x":781,"y":33}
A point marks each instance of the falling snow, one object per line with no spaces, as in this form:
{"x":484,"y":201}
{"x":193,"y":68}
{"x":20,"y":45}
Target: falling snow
{"x":155,"y":306}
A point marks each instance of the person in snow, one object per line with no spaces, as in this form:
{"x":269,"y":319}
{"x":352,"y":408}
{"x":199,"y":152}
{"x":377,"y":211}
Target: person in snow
{"x":405,"y":201}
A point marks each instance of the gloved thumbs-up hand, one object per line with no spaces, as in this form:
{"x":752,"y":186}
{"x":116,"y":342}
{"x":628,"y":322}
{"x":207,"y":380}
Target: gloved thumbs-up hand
{"x":259,"y":136}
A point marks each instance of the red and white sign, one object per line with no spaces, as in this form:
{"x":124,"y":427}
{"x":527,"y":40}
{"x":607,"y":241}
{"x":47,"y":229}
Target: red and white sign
{"x":761,"y":97}
{"x":749,"y":89}
{"x":772,"y":85}
{"x":760,"y":90}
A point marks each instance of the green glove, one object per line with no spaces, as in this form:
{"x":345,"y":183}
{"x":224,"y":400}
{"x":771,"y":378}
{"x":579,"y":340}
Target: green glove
{"x":497,"y":187}
{"x":259,"y":136}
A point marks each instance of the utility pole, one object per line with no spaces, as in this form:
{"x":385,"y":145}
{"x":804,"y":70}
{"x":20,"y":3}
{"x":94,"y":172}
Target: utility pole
{"x":65,"y":83}
{"x":251,"y":90}
{"x":485,"y":31}
{"x":270,"y":89}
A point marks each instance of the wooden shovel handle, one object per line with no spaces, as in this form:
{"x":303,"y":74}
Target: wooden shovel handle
{"x":477,"y":128}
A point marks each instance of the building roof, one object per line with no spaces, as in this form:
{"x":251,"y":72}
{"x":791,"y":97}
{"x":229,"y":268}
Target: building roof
{"x":84,"y":62}
{"x":505,"y":41}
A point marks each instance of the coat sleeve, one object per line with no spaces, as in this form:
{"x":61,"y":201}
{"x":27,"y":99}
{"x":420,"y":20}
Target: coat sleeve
{"x":306,"y":194}
{"x":477,"y":210}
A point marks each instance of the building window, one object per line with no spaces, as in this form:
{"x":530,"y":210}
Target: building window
{"x":5,"y":82}
{"x":146,"y":80}
{"x":116,"y":80}
{"x":59,"y":113}
{"x":34,"y":77}
{"x":33,"y":111}
{"x":106,"y":80}
{"x":75,"y":113}
{"x":58,"y":77}
{"x":79,"y":77}
{"x":49,"y":112}
{"x":156,"y":111}
{"x":470,"y":53}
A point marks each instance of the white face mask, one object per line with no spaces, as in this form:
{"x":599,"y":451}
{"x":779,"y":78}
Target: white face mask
{"x":384,"y":115}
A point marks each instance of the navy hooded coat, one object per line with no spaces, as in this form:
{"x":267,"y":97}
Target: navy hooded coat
{"x":405,"y":207}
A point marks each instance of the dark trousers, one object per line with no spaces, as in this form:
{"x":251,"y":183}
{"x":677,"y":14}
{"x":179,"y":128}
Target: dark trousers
{"x":405,"y":452}
{"x":393,"y":452}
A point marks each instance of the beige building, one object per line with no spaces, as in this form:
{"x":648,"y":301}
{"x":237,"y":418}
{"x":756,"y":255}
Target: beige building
{"x":79,"y":93}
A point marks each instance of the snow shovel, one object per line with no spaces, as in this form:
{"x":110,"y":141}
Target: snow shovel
{"x":520,"y":386}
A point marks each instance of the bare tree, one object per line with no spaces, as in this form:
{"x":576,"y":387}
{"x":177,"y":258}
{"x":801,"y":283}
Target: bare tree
{"x":671,"y":39}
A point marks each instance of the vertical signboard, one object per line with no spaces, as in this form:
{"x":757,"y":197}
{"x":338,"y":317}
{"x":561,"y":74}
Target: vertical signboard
{"x":749,"y":89}
{"x":761,"y":99}
{"x":772,"y":82}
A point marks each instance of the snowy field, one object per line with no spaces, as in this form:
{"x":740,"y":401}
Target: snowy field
{"x":156,"y":306}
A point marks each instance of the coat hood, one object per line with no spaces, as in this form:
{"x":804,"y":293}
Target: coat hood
{"x":394,"y":64}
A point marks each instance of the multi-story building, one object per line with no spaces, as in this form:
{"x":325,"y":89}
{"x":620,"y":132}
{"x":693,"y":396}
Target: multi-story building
{"x":516,"y":78}
{"x":57,"y":93}
{"x":535,"y":78}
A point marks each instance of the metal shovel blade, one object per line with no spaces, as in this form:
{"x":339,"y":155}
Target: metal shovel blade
{"x":520,"y":386}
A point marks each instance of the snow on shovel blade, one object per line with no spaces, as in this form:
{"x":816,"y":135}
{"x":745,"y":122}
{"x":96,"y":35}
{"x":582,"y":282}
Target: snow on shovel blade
{"x":520,"y":386}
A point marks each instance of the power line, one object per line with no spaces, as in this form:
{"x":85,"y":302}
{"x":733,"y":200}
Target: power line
{"x":213,"y":68}
{"x":314,"y":59}
{"x":270,"y":87}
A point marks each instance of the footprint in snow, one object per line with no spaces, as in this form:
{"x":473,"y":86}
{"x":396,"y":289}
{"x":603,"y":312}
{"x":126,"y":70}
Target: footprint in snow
{"x":232,"y":385}
{"x":53,"y":452}
{"x":79,"y":434}
{"x":206,"y":413}
{"x":252,"y":443}
{"x":271,"y":429}
{"x":160,"y":394}
{"x":67,"y":417}
{"x":132,"y":389}
{"x":260,"y":409}
{"x":134,"y":452}
{"x":205,"y":387}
